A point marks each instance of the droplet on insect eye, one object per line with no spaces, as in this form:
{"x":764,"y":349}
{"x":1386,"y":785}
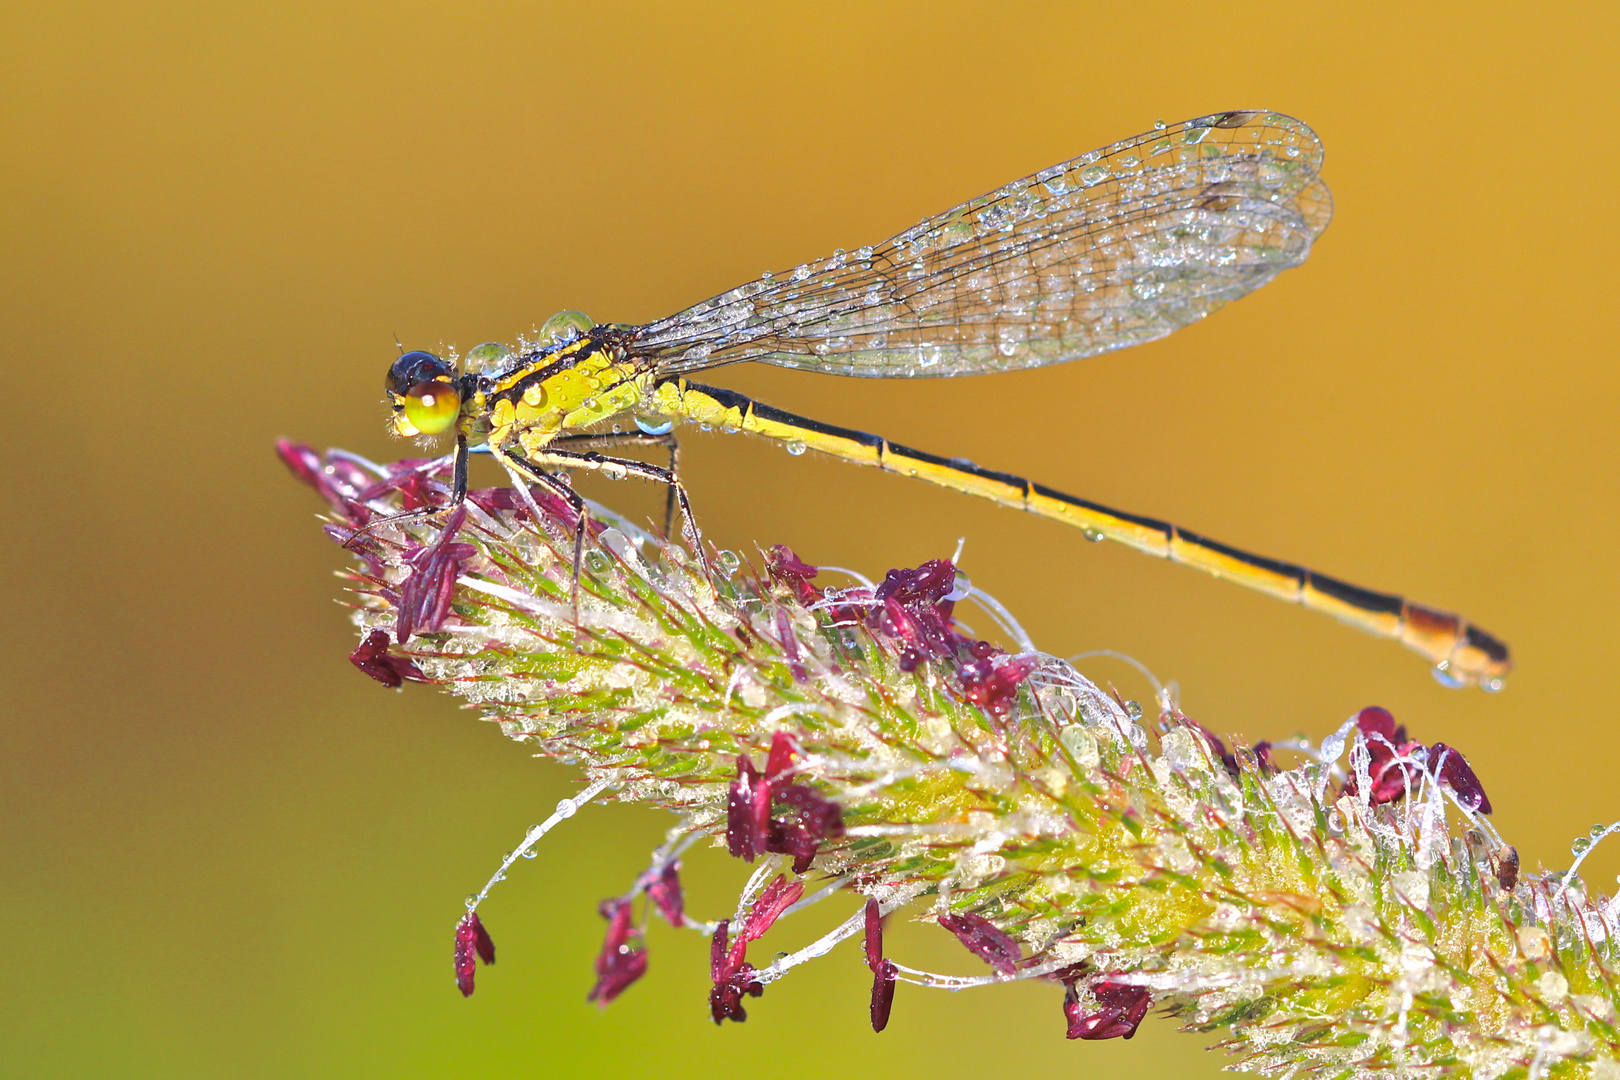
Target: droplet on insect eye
{"x":565,"y":326}
{"x":415,"y":367}
{"x":487,"y":358}
{"x":432,"y":406}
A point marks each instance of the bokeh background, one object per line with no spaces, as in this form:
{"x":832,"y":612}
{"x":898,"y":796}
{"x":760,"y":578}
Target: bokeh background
{"x":225,"y":853}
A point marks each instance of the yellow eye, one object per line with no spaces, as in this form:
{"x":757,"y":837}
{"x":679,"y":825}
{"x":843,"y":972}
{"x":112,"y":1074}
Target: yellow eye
{"x":432,"y":406}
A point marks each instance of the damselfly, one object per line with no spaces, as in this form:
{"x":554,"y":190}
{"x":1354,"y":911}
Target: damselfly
{"x":1114,"y":248}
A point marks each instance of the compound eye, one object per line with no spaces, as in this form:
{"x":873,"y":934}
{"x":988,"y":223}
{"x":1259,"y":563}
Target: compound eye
{"x":413,"y":368}
{"x":432,"y":406}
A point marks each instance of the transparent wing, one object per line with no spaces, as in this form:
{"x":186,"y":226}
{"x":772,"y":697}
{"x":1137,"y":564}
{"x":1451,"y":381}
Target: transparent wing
{"x":1116,"y":247}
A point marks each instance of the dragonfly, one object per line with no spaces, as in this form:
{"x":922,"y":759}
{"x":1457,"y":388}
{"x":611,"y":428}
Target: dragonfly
{"x":1116,"y":247}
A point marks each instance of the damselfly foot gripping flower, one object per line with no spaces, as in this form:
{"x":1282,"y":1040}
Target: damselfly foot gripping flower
{"x":1351,"y":913}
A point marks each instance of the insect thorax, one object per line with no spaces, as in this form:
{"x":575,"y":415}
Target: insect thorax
{"x":566,"y":391}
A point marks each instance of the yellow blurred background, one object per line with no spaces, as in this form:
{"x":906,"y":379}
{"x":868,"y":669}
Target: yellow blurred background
{"x":226,"y":853}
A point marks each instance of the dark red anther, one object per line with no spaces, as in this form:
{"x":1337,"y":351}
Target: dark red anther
{"x":786,"y":568}
{"x":883,"y":980}
{"x":719,"y":951}
{"x":473,"y":943}
{"x":790,"y":646}
{"x":983,"y":939}
{"x":784,"y":754}
{"x":619,"y":964}
{"x":774,"y":899}
{"x":748,"y":812}
{"x":1455,"y":771}
{"x":1120,"y":1010}
{"x":665,"y":891}
{"x":1389,"y":766}
{"x":371,"y":656}
{"x":424,"y":597}
{"x":992,"y":686}
{"x":812,"y":819}
{"x":874,"y":934}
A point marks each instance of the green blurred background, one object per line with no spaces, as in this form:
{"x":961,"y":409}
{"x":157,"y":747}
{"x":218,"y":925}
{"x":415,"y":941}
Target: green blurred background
{"x":225,"y":853}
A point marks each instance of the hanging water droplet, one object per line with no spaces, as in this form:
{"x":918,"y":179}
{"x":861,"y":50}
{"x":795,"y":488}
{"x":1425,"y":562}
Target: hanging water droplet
{"x":1581,"y":846}
{"x":961,"y":587}
{"x":566,"y":808}
{"x":655,"y":425}
{"x":1093,"y":535}
{"x":795,"y":447}
{"x":530,"y":853}
{"x":565,"y":326}
{"x":471,"y":901}
{"x":1445,"y":676}
{"x":614,"y":471}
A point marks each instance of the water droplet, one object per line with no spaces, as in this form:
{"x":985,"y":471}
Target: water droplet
{"x":1445,"y":676}
{"x":1581,"y":846}
{"x":728,"y":561}
{"x":1133,"y":709}
{"x":961,"y":586}
{"x":566,"y":808}
{"x":1159,"y":125}
{"x":530,"y":853}
{"x":1491,"y":685}
{"x":565,"y":326}
{"x":596,"y":562}
{"x":471,"y":901}
{"x":1093,"y":175}
{"x":487,"y":358}
{"x":1598,"y":831}
{"x":795,"y":447}
{"x":507,"y":856}
{"x":655,"y":425}
{"x":1093,"y":535}
{"x":766,"y":276}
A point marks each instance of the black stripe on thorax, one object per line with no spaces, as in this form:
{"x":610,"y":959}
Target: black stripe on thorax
{"x":545,"y":371}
